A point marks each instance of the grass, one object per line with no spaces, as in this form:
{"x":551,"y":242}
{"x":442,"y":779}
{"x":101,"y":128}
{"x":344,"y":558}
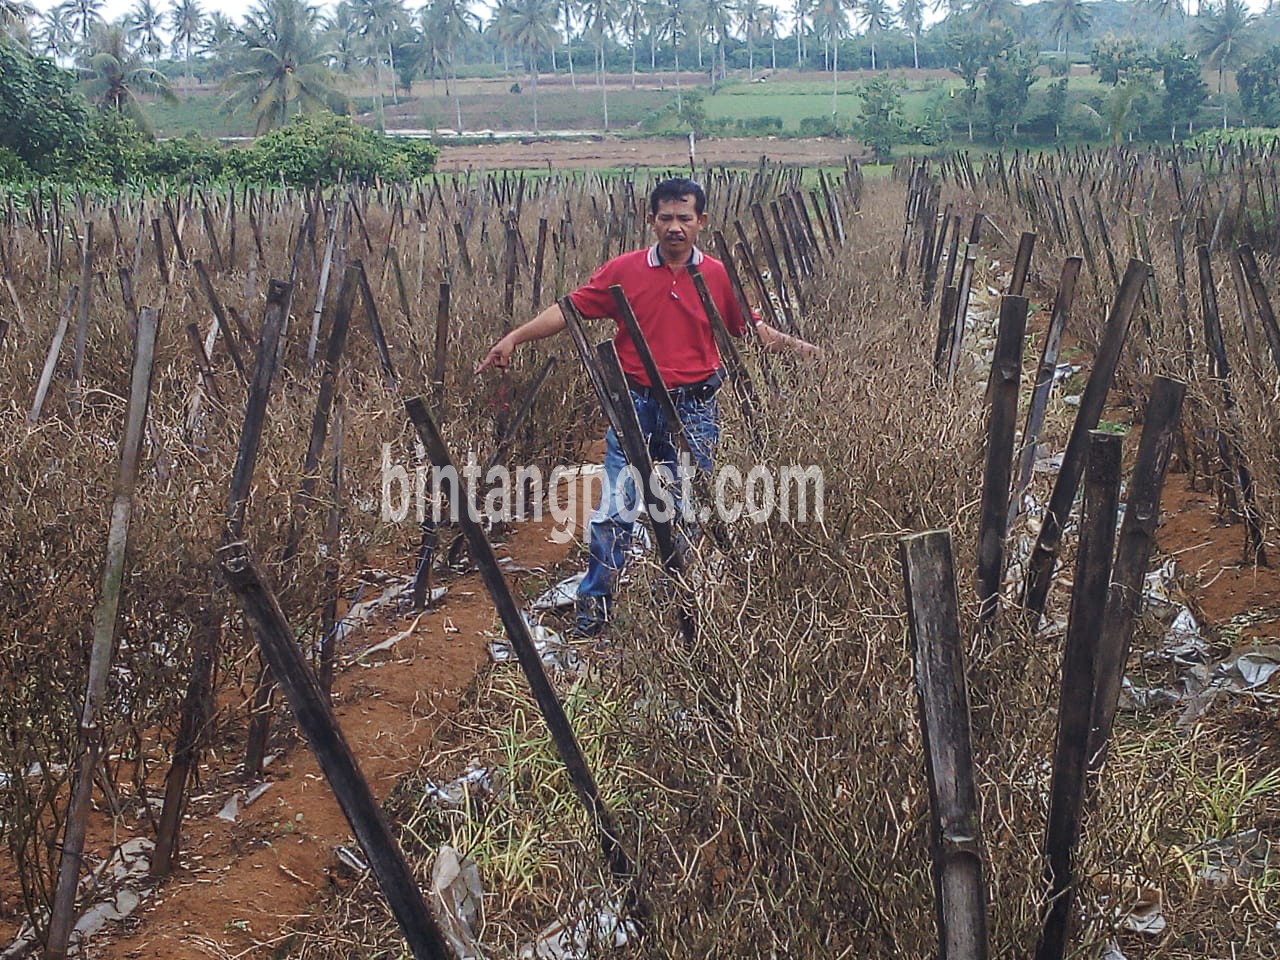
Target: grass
{"x":200,"y":113}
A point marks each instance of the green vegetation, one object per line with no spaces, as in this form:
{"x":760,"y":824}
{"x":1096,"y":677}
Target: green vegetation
{"x":49,"y":130}
{"x":990,"y":72}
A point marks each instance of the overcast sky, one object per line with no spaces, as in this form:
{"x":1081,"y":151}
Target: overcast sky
{"x":235,"y":9}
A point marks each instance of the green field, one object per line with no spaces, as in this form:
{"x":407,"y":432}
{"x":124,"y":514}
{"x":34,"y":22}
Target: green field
{"x":486,"y":105}
{"x":794,"y":100}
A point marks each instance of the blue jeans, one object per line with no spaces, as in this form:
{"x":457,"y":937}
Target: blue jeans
{"x":614,"y":520}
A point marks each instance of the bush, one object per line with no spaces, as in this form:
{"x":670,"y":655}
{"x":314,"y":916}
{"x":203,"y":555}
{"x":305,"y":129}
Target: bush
{"x":326,"y":147}
{"x":44,"y":121}
{"x":820,"y":127}
{"x":191,"y":158}
{"x":758,"y":125}
{"x":118,"y":150}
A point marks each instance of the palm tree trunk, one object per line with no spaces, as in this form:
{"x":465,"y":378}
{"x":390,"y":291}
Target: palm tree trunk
{"x":835,"y":76}
{"x":535,"y":93}
{"x":391,"y":59}
{"x":915,"y":50}
{"x":604,"y":86}
{"x":873,"y":57}
{"x":751,"y":58}
{"x":457,"y":97}
{"x":568,"y":45}
{"x":1223,"y":95}
{"x":675,"y":49}
{"x":633,"y":63}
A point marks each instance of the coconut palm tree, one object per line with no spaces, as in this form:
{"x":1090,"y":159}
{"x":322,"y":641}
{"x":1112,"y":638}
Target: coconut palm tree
{"x":801,"y":15}
{"x":655,"y":13}
{"x":116,"y":75}
{"x":448,"y":24}
{"x":717,"y":18}
{"x":877,"y":18}
{"x":54,"y":33}
{"x":995,"y":13}
{"x":1163,"y":9}
{"x":82,"y":15}
{"x":342,"y":37}
{"x":769,"y":28}
{"x":600,"y":17}
{"x":567,"y":6}
{"x":219,"y":41}
{"x":632,"y":23}
{"x":186,"y":21}
{"x":529,"y":26}
{"x":911,"y":14}
{"x":379,"y":20}
{"x":142,"y":25}
{"x":676,"y":18}
{"x":1068,"y":17}
{"x":750,"y":16}
{"x":281,"y":65}
{"x":831,"y":20}
{"x":1224,"y":37}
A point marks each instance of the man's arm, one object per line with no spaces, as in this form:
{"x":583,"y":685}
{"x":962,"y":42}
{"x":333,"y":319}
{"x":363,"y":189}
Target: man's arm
{"x":775,"y":341}
{"x":546,"y":324}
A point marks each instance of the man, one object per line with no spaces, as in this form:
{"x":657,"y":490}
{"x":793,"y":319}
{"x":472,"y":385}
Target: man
{"x":670,"y":315}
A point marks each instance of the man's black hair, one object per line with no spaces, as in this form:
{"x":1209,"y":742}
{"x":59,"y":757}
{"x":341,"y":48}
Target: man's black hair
{"x":677,"y":188}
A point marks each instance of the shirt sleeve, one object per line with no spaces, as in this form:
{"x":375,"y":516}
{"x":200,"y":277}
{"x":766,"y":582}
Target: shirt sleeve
{"x":593,"y":299}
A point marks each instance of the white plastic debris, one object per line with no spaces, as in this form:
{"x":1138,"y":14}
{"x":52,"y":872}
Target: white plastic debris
{"x":1239,"y":858}
{"x":241,"y":799}
{"x":562,"y":595}
{"x":1112,"y":951}
{"x":349,"y":857}
{"x":115,"y":886}
{"x":457,"y":899}
{"x":476,"y":782}
{"x":598,"y":930}
{"x":551,"y":647}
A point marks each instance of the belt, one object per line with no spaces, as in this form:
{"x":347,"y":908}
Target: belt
{"x":699,"y":392}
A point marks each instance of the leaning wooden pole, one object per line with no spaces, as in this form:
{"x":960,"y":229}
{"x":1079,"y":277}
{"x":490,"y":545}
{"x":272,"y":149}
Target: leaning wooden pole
{"x":1002,"y":399}
{"x":1044,"y":382}
{"x":1133,"y":555}
{"x":1075,"y":703}
{"x":318,"y":724}
{"x":105,"y":615}
{"x":517,"y":630}
{"x":205,"y":641}
{"x":1045,"y":553}
{"x":942,"y":698}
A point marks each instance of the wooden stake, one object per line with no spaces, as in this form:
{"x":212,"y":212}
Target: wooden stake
{"x":517,"y":630}
{"x":942,"y":699}
{"x":1002,"y":397}
{"x":316,"y":720}
{"x":1075,"y":703}
{"x":105,"y":615}
{"x":1040,"y":565}
{"x":1133,"y":554}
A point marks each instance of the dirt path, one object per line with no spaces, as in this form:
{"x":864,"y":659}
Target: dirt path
{"x":240,"y":882}
{"x":611,"y":152}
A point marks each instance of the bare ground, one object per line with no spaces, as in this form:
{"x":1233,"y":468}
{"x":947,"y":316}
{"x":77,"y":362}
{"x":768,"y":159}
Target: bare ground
{"x":655,"y":152}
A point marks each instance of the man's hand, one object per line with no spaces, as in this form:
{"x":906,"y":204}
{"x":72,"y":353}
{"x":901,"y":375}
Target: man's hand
{"x":499,"y":355}
{"x":775,"y":341}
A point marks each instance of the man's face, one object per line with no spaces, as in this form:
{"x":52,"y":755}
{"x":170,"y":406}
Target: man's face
{"x":676,"y":226}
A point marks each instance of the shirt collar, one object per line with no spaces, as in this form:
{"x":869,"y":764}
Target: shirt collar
{"x":655,"y":257}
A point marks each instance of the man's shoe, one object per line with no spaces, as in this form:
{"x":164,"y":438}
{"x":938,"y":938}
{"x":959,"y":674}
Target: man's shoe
{"x":590,"y":618}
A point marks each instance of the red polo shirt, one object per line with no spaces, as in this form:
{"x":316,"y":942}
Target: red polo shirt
{"x":670,"y":314}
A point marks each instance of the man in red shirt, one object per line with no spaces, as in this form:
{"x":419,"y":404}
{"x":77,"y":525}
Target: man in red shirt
{"x":670,"y":315}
